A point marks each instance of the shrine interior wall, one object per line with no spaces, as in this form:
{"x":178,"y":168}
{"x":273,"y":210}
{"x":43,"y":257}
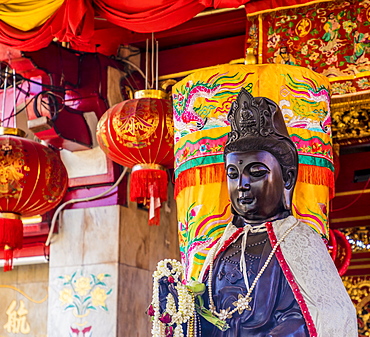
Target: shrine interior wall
{"x":99,"y":277}
{"x":24,"y":301}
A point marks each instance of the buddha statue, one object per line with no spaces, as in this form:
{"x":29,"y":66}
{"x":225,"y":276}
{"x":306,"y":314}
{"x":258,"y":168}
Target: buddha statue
{"x":269,"y":275}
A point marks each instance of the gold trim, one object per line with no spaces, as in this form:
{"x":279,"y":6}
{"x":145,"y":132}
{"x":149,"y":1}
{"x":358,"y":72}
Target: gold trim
{"x":357,"y":93}
{"x":287,"y":7}
{"x":148,"y":167}
{"x":218,"y":11}
{"x":360,"y":260}
{"x":349,"y":77}
{"x":151,"y":93}
{"x":11,"y":131}
{"x":237,"y":61}
{"x":362,"y":100}
{"x":341,"y":194}
{"x":353,"y":218}
{"x":260,"y":39}
{"x":30,"y":220}
{"x":24,"y":294}
{"x":8,"y":215}
{"x":363,"y":266}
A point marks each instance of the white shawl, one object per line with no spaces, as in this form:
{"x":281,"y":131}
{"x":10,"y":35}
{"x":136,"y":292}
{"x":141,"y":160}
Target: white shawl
{"x":312,"y":275}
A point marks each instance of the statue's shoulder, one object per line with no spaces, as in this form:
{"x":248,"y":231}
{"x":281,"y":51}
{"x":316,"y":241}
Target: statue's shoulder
{"x":309,"y":232}
{"x":299,"y":226}
{"x":300,"y":235}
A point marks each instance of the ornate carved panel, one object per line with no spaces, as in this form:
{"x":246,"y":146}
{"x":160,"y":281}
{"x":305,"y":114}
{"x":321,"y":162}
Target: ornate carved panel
{"x":358,"y":288}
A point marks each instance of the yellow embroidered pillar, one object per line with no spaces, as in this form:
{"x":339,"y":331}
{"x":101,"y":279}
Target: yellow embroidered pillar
{"x":201,"y":104}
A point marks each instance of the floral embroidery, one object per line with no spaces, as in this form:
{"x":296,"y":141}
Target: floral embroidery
{"x":329,"y":38}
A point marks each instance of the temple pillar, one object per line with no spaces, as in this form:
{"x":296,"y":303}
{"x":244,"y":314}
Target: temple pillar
{"x":101,"y":265}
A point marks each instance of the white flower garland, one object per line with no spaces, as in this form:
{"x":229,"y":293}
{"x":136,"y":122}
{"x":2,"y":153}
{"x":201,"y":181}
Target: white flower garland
{"x":185,"y":299}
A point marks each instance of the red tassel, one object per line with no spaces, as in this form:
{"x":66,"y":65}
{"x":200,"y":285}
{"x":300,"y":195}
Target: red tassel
{"x":8,"y":257}
{"x":149,"y":186}
{"x":11,"y":233}
{"x":142,"y":179}
{"x":316,"y":175}
{"x":11,"y":237}
{"x":200,"y":175}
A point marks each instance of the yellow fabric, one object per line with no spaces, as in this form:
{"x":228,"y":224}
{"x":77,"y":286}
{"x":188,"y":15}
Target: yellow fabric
{"x":205,"y":98}
{"x":26,"y":15}
{"x":206,"y":209}
{"x":194,"y":137}
{"x":313,"y":205}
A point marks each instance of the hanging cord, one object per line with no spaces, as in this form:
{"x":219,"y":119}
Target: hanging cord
{"x":72,"y":201}
{"x":19,"y":111}
{"x":134,"y":66}
{"x":15,"y":100}
{"x":354,"y":200}
{"x":54,"y":105}
{"x":4,"y":96}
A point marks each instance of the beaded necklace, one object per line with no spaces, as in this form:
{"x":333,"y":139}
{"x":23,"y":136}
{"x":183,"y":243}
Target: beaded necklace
{"x":243,"y":301}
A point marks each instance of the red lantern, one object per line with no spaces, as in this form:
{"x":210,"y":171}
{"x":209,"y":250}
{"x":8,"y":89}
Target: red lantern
{"x":138,"y":133}
{"x":33,"y":180}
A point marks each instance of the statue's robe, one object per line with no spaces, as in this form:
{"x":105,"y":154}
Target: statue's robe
{"x":299,"y":294}
{"x":275,"y":311}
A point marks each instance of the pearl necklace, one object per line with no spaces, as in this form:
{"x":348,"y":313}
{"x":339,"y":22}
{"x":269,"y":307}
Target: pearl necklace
{"x":243,"y":301}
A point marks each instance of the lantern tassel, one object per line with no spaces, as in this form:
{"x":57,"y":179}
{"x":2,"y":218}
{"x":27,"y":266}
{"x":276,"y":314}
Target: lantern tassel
{"x":11,"y":237}
{"x":8,"y":257}
{"x":150,"y":185}
{"x":154,"y":211}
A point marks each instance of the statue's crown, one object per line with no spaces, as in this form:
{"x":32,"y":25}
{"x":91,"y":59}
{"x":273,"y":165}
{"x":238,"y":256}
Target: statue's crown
{"x":255,"y":117}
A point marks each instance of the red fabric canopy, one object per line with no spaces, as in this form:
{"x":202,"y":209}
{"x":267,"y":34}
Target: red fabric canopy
{"x":74,"y":21}
{"x":148,"y":16}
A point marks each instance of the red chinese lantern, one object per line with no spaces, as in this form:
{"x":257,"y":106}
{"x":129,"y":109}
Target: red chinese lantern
{"x":33,"y":180}
{"x":138,"y":133}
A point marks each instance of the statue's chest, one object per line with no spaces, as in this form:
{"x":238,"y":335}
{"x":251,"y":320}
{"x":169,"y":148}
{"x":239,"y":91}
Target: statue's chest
{"x":228,"y":271}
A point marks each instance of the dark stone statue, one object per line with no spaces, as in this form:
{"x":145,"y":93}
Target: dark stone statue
{"x":259,"y":281}
{"x":261,"y":167}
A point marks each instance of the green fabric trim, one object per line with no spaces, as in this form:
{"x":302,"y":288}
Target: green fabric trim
{"x":315,"y":161}
{"x":208,"y":160}
{"x":219,"y":158}
{"x":310,"y":138}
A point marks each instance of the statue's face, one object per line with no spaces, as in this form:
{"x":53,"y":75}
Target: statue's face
{"x":255,"y":185}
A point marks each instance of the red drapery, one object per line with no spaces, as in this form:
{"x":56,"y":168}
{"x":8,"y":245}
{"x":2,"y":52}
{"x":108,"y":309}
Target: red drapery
{"x":74,"y":21}
{"x":147,"y":16}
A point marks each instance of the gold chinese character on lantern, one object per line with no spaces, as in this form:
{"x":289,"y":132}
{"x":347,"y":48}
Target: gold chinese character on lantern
{"x":17,"y":319}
